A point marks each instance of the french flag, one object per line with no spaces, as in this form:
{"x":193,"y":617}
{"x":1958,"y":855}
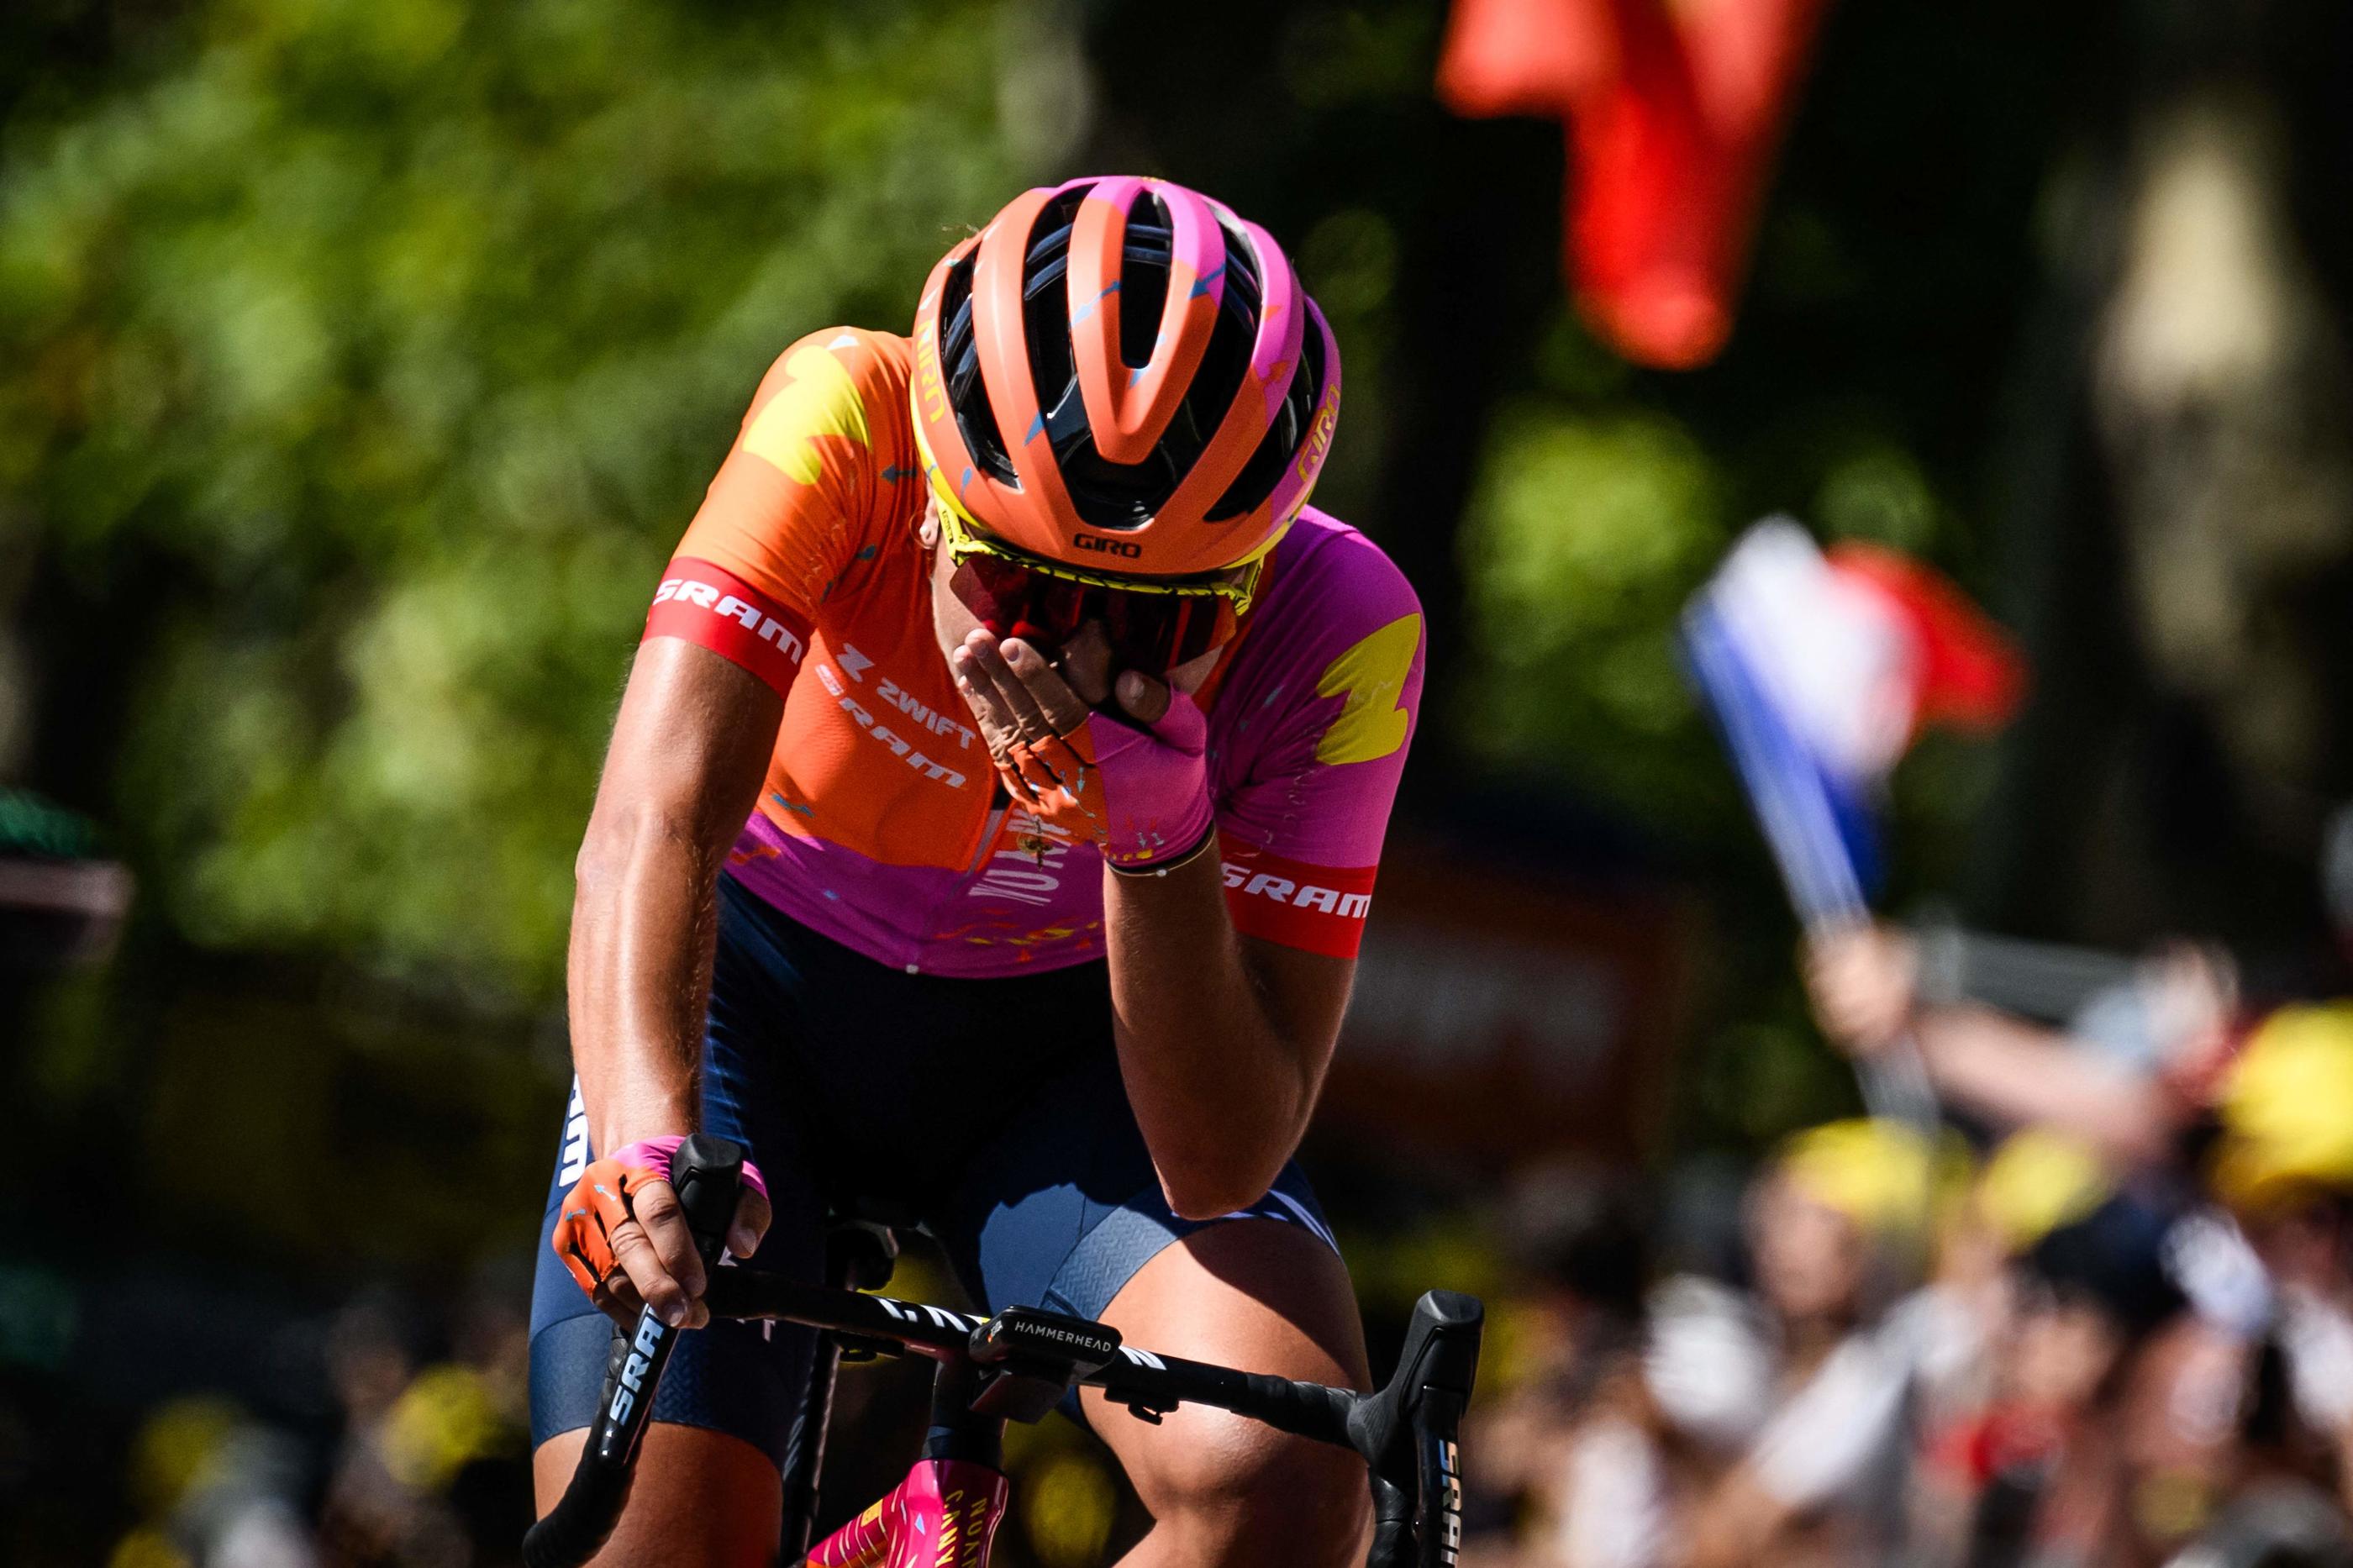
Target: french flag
{"x":1820,"y":669}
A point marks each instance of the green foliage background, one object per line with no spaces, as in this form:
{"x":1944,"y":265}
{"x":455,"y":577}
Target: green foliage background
{"x":389,"y":347}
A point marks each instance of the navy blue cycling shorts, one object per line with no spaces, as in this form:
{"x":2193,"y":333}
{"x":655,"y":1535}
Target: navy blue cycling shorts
{"x":993,"y":1108}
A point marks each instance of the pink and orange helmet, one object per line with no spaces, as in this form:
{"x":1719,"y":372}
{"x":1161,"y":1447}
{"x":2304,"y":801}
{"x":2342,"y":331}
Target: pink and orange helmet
{"x":1122,"y":374}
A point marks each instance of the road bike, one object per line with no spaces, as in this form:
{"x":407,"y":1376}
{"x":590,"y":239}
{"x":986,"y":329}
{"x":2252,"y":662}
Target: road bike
{"x":1017,"y":1365}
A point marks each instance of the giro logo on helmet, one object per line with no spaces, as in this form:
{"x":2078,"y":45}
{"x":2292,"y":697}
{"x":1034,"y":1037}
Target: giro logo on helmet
{"x":1319,"y":436}
{"x":1125,"y":548}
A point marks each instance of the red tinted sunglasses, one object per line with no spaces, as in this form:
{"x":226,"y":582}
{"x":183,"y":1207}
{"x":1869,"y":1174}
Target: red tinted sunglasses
{"x":1149,"y":629}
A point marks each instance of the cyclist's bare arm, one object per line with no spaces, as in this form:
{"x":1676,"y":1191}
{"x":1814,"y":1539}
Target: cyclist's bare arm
{"x":687,"y":755}
{"x":1223,"y":1038}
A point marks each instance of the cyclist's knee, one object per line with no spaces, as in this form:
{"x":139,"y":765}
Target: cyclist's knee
{"x":1236,"y":1494}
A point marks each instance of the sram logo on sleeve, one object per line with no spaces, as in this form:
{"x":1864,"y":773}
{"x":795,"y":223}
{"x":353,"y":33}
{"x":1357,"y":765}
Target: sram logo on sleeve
{"x":760,"y":622}
{"x":1319,"y":908}
{"x":711,"y":606}
{"x":1299,"y":895}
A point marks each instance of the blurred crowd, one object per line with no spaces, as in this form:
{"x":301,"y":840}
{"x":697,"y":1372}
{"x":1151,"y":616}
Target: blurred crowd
{"x":2097,"y":1313}
{"x":2094,"y":1310}
{"x":396,"y":1438}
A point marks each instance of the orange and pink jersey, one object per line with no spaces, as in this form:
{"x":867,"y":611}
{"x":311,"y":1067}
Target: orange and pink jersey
{"x":881,"y":825}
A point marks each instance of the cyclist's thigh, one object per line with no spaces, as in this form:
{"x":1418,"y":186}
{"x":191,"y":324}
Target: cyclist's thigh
{"x":739,"y":1383}
{"x":1269,"y":1298}
{"x":1065,"y":1206}
{"x":1064,"y":1209}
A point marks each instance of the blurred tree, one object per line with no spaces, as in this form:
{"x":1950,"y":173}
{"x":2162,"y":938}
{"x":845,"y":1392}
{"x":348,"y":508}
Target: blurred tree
{"x":2180,"y":520}
{"x":359,"y":363}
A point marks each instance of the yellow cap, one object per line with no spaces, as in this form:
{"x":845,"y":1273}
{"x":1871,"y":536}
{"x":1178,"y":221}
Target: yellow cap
{"x":2037,"y":1181}
{"x":443,"y":1419}
{"x":2287,"y":1107}
{"x":1885,"y":1176}
{"x":176,"y":1449}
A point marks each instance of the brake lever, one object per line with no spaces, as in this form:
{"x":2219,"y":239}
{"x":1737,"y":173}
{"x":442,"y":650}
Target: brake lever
{"x":707,"y":1173}
{"x":1437,"y":1427}
{"x":1408,"y":1433}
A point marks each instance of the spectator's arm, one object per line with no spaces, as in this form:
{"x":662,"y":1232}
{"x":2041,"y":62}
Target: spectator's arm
{"x":2015,"y":1073}
{"x":1735,"y":1522}
{"x":1815,"y":1452}
{"x":1864,"y":984}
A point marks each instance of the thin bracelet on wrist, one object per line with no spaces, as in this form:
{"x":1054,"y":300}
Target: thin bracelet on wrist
{"x":1161,"y":867}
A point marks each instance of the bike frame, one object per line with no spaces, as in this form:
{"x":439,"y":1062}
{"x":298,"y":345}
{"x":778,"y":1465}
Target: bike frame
{"x":1014,"y":1366}
{"x":945,"y":1511}
{"x":944,"y":1514}
{"x":860,"y":1255}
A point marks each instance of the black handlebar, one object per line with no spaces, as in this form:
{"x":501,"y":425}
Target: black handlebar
{"x":705,"y":1172}
{"x":1407,"y":1432}
{"x":1410,"y":1432}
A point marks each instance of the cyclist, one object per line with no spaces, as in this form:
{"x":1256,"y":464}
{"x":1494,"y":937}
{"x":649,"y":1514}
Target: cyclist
{"x":988,"y":827}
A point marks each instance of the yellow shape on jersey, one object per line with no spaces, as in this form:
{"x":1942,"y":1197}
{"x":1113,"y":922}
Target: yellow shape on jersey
{"x":819,"y":400}
{"x":1371,"y":724}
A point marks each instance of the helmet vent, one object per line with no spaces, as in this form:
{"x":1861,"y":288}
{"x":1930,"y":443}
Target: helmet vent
{"x":1143,"y":290}
{"x":960,"y":365}
{"x":1116,"y":497}
{"x":1283,"y":438}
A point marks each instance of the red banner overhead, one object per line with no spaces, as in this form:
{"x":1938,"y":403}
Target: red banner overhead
{"x":1674,"y":109}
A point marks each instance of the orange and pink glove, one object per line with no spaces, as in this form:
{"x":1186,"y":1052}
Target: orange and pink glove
{"x":1140,"y":794}
{"x":605,"y":1196}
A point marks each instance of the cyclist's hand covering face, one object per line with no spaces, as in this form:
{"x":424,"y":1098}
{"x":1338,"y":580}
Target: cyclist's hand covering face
{"x":1137,"y":786}
{"x":1083,"y":666}
{"x":1115,"y":758}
